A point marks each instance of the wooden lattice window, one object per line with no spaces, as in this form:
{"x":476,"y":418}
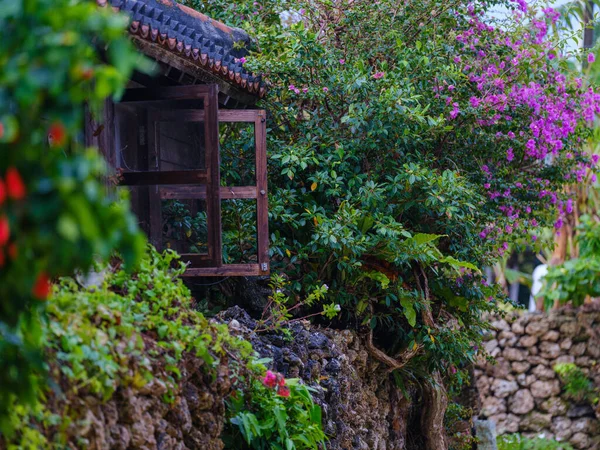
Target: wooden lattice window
{"x":166,"y":149}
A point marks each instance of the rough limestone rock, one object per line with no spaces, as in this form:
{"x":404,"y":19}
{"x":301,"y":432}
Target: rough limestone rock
{"x":514,"y":354}
{"x":561,"y":426}
{"x":520,"y":367}
{"x":522,"y":402}
{"x":528,"y":341}
{"x":485,"y":430}
{"x":536,"y":421}
{"x":549,"y":350}
{"x":551,"y":336}
{"x":537,"y":328}
{"x":543,"y":372}
{"x":493,"y":406}
{"x":580,"y":441}
{"x":555,"y":406}
{"x":503,"y":388}
{"x":545,"y":389}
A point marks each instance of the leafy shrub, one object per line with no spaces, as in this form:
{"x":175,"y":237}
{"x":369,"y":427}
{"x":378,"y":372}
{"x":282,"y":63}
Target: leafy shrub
{"x":410,"y":145}
{"x":518,"y":442}
{"x":54,"y":212}
{"x":577,"y":386}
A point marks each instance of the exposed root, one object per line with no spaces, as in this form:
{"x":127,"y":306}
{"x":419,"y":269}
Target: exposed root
{"x":398,"y":361}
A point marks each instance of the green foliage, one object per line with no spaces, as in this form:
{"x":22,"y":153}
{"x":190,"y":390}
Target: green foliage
{"x":97,"y":342}
{"x":375,"y":189}
{"x":279,"y":309}
{"x":578,"y":278}
{"x":58,"y":217}
{"x":577,"y":386}
{"x":263,"y":420}
{"x":518,"y":442}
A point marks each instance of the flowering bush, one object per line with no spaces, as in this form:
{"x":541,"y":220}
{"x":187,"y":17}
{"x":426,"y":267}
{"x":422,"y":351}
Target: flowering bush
{"x":54,"y":214}
{"x":410,"y":145}
{"x":274,"y":413}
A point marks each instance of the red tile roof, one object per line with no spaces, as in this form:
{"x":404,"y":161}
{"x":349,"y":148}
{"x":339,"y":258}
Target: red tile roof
{"x":186,"y":33}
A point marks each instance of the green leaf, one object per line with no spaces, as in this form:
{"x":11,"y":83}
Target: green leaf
{"x":409,"y":311}
{"x":424,"y":238}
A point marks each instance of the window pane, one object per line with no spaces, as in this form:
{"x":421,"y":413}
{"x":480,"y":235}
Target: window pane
{"x":182,"y":145}
{"x":185,"y":226}
{"x":238,"y":221}
{"x":238,"y":155}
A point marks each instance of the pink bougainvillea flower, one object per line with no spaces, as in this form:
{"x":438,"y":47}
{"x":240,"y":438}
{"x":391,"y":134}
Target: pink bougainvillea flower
{"x":591,"y":58}
{"x":283,"y":391}
{"x":15,"y":188}
{"x":510,"y":155}
{"x":4,"y":231}
{"x":378,"y":75}
{"x":305,"y":90}
{"x":291,"y":87}
{"x":41,"y":287}
{"x":326,"y":90}
{"x":270,"y":379}
{"x":342,"y":61}
{"x":242,"y":60}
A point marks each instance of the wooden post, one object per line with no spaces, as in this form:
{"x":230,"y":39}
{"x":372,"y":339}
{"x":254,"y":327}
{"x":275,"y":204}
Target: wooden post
{"x":262,"y":211}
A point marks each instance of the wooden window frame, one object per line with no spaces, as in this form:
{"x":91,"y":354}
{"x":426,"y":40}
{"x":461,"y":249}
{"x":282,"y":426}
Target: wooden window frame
{"x":205,"y":183}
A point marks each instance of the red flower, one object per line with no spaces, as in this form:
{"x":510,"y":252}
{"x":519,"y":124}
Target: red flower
{"x":41,"y":288}
{"x":281,"y":380}
{"x":4,"y":231}
{"x":2,"y":192}
{"x":270,"y":379}
{"x":57,"y":134}
{"x":1,"y":130}
{"x":87,"y":74}
{"x":2,"y":258}
{"x":283,"y":391}
{"x":14,"y":184}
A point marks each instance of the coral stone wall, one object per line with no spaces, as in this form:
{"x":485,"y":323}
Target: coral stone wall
{"x":522,"y":393}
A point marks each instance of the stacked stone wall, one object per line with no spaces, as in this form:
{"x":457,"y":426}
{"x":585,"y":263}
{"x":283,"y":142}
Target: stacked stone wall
{"x":522,"y":393}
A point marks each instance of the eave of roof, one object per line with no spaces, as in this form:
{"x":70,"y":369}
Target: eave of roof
{"x":165,"y":27}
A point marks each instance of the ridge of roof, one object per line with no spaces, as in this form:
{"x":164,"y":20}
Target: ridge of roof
{"x":206,"y":43}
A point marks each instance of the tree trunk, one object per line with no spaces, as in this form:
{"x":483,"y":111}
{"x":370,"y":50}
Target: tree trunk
{"x":400,"y":411}
{"x":435,"y":402}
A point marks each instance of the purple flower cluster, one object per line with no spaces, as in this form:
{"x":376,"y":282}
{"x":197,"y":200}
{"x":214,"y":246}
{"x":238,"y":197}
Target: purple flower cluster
{"x":513,"y":77}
